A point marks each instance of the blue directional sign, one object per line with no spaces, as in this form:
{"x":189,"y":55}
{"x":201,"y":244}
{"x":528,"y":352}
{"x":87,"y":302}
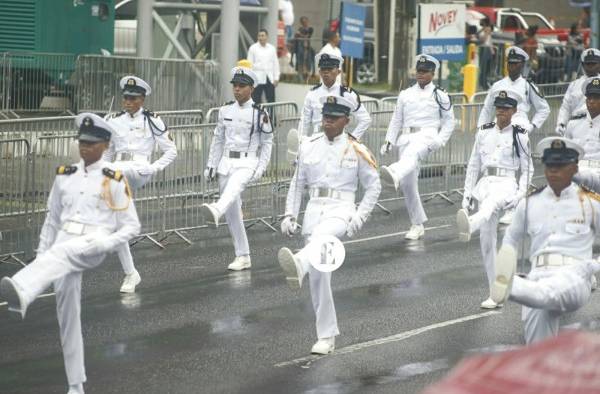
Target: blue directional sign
{"x":352,"y":30}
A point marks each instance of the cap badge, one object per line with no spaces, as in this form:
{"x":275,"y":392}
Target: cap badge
{"x":88,"y":121}
{"x":131,"y":82}
{"x":422,"y":59}
{"x":557,"y":144}
{"x":331,"y":100}
{"x":502,"y":94}
{"x":596,"y":82}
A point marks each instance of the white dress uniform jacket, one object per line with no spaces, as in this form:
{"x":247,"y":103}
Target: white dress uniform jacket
{"x":134,"y":139}
{"x":339,"y":166}
{"x":585,"y":131}
{"x":573,"y":103}
{"x":494,"y":151}
{"x":561,"y":229}
{"x":240,"y":152}
{"x":311,"y":116}
{"x":528,"y":91}
{"x":264,"y":62}
{"x":89,"y":214}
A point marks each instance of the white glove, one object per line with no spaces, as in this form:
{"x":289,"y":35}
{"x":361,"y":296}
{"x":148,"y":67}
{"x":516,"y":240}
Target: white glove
{"x":467,"y":202}
{"x":560,"y":129}
{"x":148,"y":170}
{"x":512,"y":201}
{"x":258,"y":173}
{"x":529,"y":128}
{"x":289,"y":226}
{"x":209,"y":174}
{"x":95,"y":246}
{"x":355,"y":225}
{"x":385,"y":148}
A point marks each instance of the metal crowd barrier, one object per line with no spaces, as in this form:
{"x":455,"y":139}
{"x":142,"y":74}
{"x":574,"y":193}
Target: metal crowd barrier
{"x":169,"y":205}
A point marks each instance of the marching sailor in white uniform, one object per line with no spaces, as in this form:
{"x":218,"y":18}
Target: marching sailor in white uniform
{"x":239,"y":154}
{"x":422,"y":123}
{"x":561,"y":220}
{"x":136,"y":133}
{"x":90,"y":213}
{"x":573,"y":102}
{"x":330,"y":166}
{"x":501,"y":151}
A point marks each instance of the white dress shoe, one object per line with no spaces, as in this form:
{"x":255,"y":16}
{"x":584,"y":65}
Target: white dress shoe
{"x":416,"y":231}
{"x":130,"y":282}
{"x":506,"y":266}
{"x":463,"y":225}
{"x":11,"y":292}
{"x":388,"y":178}
{"x":490,"y":304}
{"x":324,"y":346}
{"x":240,"y":263}
{"x":210,"y":213}
{"x":507,"y":218}
{"x":291,"y":268}
{"x":75,"y":389}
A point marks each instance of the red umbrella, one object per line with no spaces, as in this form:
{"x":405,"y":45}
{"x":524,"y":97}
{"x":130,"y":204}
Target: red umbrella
{"x":567,"y":364}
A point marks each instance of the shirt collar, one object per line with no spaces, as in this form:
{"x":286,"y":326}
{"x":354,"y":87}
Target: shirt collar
{"x":596,"y":120}
{"x":507,"y":128}
{"x":334,"y":86}
{"x":429,"y":86}
{"x":246,"y":104}
{"x":336,"y":140}
{"x":138,"y":113}
{"x":92,"y":167}
{"x":566,"y":193}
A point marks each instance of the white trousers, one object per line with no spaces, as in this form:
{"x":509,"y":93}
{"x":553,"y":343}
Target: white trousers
{"x":231,"y":187}
{"x":492,"y":195}
{"x":547,"y":294}
{"x":136,"y":181}
{"x":320,"y":282}
{"x":407,"y":170}
{"x":62,"y":265}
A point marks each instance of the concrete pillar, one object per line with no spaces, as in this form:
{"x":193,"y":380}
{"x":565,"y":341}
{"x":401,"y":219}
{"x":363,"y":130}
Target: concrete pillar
{"x":270,"y":21}
{"x":229,"y":37}
{"x":595,"y":23}
{"x":145,"y":45}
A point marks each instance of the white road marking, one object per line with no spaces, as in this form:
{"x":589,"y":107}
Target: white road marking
{"x":40,"y":296}
{"x":394,"y":338}
{"x":392,"y":235}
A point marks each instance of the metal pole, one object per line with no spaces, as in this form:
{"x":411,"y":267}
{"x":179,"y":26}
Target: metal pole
{"x":595,"y":23}
{"x":145,"y":45}
{"x":230,"y":32}
{"x":270,"y":21}
{"x":391,"y":43}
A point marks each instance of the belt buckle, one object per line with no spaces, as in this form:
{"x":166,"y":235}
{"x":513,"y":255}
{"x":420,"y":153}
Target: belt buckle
{"x":74,"y":228}
{"x":234,"y":155}
{"x":323,"y":192}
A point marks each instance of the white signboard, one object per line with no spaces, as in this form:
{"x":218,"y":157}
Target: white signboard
{"x":442,"y":30}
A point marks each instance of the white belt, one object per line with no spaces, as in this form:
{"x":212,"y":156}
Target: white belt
{"x":76,"y":228}
{"x":553,"y":260}
{"x":497,"y":171}
{"x":323,"y":192}
{"x":589,"y":163}
{"x":129,"y":156}
{"x":238,"y":155}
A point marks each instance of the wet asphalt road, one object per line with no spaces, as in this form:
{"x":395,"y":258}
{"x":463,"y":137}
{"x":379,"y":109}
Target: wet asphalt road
{"x":407,"y":311}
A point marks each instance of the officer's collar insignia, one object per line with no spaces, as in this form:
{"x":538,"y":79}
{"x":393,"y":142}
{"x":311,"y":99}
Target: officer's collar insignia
{"x":502,"y":94}
{"x":422,"y":59}
{"x":331,"y":100}
{"x":596,"y":81}
{"x":131,"y":82}
{"x":88,"y":122}
{"x":558,"y":144}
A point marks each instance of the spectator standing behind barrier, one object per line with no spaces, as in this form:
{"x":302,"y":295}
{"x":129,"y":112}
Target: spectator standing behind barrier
{"x":486,"y":53}
{"x":303,"y":50}
{"x":286,"y":8}
{"x":239,"y":154}
{"x":573,"y":103}
{"x":266,"y":67}
{"x":530,"y":46}
{"x":574,"y":50}
{"x":332,"y":48}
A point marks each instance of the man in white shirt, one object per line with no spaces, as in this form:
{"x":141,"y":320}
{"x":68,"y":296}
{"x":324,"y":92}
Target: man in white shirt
{"x":332,"y":48}
{"x":266,"y":67}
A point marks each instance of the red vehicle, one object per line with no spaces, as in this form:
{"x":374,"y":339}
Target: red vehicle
{"x":513,"y":20}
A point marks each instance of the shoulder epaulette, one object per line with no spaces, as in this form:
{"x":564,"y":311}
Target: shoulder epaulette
{"x":316,"y":138}
{"x":488,"y":125}
{"x":66,"y":170}
{"x":229,"y":102}
{"x":317,"y":86}
{"x":535,"y":190}
{"x":440,"y":88}
{"x":147,"y":112}
{"x":112,"y":174}
{"x":116,"y":114}
{"x":534,"y":88}
{"x":519,"y":129}
{"x":589,"y":192}
{"x":363,"y":152}
{"x":578,"y":116}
